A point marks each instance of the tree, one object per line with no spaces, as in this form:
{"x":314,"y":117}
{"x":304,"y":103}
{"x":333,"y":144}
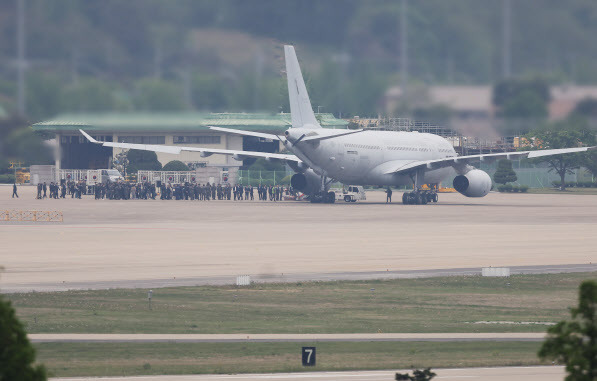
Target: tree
{"x":26,"y":145}
{"x":175,"y":165}
{"x":567,"y":134}
{"x":144,"y":160}
{"x":574,"y":342}
{"x":587,"y":107}
{"x":418,"y":375}
{"x":504,"y":173}
{"x":17,"y":355}
{"x":159,"y":95}
{"x":590,"y":162}
{"x":521,"y":99}
{"x":88,"y":95}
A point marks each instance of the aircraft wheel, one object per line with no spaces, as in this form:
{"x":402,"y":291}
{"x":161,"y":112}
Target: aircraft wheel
{"x":424,"y":199}
{"x":405,"y":198}
{"x":331,"y":197}
{"x":417,"y":199}
{"x":435,"y":198}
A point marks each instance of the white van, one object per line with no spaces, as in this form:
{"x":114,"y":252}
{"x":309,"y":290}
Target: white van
{"x":95,"y":176}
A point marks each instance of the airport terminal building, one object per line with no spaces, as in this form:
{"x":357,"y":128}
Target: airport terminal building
{"x":172,"y":128}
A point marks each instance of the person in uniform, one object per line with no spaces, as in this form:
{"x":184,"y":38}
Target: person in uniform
{"x":14,"y":190}
{"x":388,"y":195}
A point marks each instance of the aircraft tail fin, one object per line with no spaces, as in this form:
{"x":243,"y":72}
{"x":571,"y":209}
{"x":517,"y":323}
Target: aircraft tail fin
{"x":300,"y":106}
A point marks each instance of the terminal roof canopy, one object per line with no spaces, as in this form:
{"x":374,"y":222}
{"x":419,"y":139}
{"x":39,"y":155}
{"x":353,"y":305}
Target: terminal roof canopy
{"x":176,"y":122}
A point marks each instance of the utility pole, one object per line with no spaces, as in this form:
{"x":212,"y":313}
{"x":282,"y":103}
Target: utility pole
{"x":506,"y":38}
{"x":403,"y":48}
{"x":21,"y":58}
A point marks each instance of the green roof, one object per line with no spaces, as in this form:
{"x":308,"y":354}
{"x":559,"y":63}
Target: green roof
{"x":177,"y":122}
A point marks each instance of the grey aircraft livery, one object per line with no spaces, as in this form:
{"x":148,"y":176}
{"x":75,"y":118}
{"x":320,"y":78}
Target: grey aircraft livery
{"x":380,"y":158}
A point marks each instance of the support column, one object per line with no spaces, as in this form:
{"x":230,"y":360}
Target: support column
{"x":57,"y":158}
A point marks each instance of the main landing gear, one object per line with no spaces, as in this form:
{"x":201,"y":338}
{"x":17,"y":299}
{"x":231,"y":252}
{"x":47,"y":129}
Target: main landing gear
{"x":420,"y":197}
{"x":323,"y":198}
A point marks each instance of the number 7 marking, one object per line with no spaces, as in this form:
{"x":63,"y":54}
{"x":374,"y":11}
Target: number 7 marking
{"x":310,"y":351}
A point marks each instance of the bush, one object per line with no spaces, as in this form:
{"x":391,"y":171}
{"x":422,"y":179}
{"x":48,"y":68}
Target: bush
{"x":144,"y":160}
{"x":509,"y":188}
{"x":175,"y":165}
{"x":7,"y":179}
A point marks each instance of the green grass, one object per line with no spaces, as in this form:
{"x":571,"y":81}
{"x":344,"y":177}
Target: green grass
{"x":451,"y":304}
{"x":577,"y":191}
{"x":103,"y":359}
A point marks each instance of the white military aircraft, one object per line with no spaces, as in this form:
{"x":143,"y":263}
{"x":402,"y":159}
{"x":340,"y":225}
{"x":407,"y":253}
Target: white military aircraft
{"x":382,"y":158}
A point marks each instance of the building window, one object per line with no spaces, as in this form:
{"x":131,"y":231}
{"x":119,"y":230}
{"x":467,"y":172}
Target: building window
{"x":205,"y":139}
{"x":142,"y":139}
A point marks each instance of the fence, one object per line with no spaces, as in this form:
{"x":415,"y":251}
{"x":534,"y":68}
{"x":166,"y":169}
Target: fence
{"x":31,"y":215}
{"x":254,"y":178}
{"x":174,"y":177}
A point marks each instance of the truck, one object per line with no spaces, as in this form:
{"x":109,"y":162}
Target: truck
{"x":350,"y":193}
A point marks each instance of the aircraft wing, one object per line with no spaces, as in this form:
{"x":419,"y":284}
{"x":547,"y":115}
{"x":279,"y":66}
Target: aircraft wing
{"x":204,"y":151}
{"x":246,"y":133}
{"x":460,"y":161}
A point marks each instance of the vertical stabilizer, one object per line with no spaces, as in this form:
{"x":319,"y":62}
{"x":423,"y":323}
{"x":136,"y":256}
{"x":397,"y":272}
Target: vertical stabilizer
{"x":301,"y":111}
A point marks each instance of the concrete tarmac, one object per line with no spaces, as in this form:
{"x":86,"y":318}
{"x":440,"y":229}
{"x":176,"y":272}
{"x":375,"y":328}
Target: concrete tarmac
{"x":530,"y":373}
{"x":146,"y":243}
{"x":310,"y":337}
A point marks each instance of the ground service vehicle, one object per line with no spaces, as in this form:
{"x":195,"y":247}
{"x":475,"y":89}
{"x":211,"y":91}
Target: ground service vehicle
{"x":96,"y":176}
{"x":350,"y":193}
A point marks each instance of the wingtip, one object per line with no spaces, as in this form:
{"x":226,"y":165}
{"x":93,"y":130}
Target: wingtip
{"x":92,"y":140}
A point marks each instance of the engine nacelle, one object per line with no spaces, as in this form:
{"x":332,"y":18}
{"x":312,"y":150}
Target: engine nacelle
{"x":475,"y":183}
{"x":307,"y":182}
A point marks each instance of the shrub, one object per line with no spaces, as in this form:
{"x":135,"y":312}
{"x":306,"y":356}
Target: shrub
{"x":175,"y":165}
{"x":523,"y":188}
{"x":7,"y":178}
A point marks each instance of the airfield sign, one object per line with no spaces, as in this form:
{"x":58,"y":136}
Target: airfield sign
{"x":308,"y":356}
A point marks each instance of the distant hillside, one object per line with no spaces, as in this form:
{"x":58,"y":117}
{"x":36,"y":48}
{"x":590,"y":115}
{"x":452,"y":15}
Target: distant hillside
{"x":225,"y":54}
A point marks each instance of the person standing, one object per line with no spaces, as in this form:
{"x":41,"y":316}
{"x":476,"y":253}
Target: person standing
{"x":388,"y":195}
{"x":14,"y":190}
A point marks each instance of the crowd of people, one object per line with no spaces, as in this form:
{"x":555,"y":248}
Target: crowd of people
{"x":60,"y":190}
{"x":146,"y":190}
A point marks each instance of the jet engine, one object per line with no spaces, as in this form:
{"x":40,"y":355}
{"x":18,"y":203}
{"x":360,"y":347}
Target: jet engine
{"x":475,"y":183}
{"x":308,"y":182}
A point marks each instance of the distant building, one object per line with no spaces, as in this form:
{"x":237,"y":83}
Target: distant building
{"x":473,"y":112}
{"x":174,"y":128}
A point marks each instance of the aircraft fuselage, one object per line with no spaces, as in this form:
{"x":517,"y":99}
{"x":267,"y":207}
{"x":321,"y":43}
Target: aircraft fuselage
{"x":365,"y":157}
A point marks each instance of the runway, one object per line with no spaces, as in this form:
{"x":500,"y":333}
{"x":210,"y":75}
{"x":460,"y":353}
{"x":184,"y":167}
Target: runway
{"x":292,"y":278}
{"x":147,"y":243}
{"x":279,"y":338}
{"x":532,"y":373}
